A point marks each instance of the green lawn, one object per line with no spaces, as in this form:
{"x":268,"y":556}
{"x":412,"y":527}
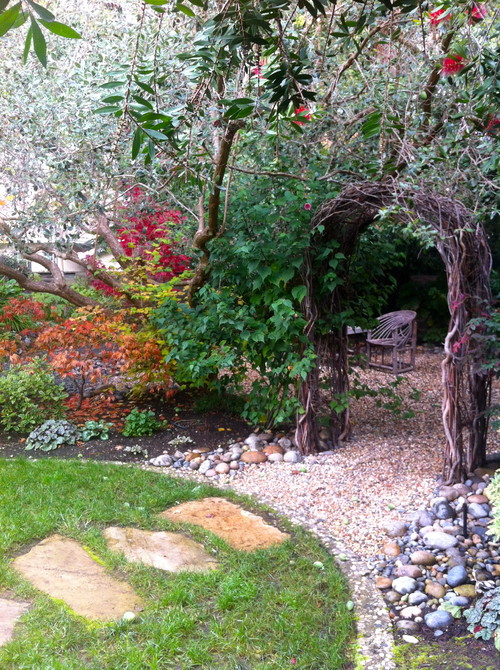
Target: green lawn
{"x":257,"y":612}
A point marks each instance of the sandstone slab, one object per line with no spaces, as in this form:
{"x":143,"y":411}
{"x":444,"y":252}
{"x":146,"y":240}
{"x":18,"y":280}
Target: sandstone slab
{"x":171,"y":552}
{"x":239,"y":528}
{"x":62,"y":569}
{"x":10,"y":611}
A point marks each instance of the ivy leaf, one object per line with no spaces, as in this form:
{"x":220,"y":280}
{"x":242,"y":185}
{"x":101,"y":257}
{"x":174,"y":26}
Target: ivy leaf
{"x":61,"y":29}
{"x":39,"y":43}
{"x":299,"y":292}
{"x":7,"y":18}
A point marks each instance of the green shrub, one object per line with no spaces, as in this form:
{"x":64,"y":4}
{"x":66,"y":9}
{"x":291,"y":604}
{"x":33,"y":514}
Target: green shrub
{"x":141,"y":423}
{"x":28,"y":396}
{"x":52,"y":435}
{"x":494,"y":496}
{"x":93,"y":430}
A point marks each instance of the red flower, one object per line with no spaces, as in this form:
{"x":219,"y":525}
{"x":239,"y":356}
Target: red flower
{"x":490,"y":127}
{"x":301,"y":110}
{"x":307,"y":206}
{"x":436,"y":17}
{"x":256,"y":71}
{"x":478,"y":12}
{"x":453,"y":64}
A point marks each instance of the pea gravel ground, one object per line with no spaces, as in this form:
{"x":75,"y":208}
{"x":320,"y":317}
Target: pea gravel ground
{"x":389,"y":467}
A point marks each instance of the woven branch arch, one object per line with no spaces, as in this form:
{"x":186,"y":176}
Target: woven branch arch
{"x":464,"y":249}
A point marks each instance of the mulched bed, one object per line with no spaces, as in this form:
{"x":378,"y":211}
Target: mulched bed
{"x":208,"y":429}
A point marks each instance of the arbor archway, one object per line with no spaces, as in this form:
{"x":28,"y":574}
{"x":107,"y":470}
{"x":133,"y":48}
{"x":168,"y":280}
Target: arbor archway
{"x":464,"y":249}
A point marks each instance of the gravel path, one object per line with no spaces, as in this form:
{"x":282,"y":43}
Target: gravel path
{"x":389,"y":467}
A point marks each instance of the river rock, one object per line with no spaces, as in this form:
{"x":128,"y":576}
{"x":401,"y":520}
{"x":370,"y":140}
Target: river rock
{"x":222,"y":468}
{"x":407,"y":625}
{"x":391,"y":549}
{"x":438,"y":619}
{"x":417,"y":598}
{"x":477,"y":511}
{"x":273,"y":449}
{"x":205,"y":466}
{"x":438,"y":540}
{"x":423,"y":558}
{"x":292,"y":456}
{"x":254,"y":442}
{"x":435,"y":590}
{"x":457,"y":576}
{"x":410,"y":612}
{"x":450,"y":493}
{"x":253,"y":457}
{"x":404,"y":585}
{"x":383,"y":582}
{"x":395,"y":528}
{"x":409,"y":571}
{"x":275,"y":457}
{"x":465,"y":590}
{"x":442,"y":509}
{"x":162,"y":461}
{"x":479,"y":499}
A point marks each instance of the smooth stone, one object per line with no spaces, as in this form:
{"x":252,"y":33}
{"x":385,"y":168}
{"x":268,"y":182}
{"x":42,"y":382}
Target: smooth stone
{"x":438,"y":619}
{"x":10,"y":611}
{"x":285,"y":443}
{"x":442,"y":509}
{"x":459,"y":601}
{"x":205,"y":466}
{"x":455,"y":558}
{"x":253,"y":457}
{"x":383,"y":582}
{"x":273,"y":449}
{"x":391,"y":549}
{"x":407,"y":625}
{"x":171,"y":552}
{"x":449,"y":492}
{"x":392,"y":597}
{"x":409,"y":571}
{"x":275,"y":458}
{"x":292,"y":456}
{"x":424,"y":519}
{"x":409,"y":639}
{"x":255,"y":442}
{"x":457,"y":576}
{"x":234,"y":465}
{"x":479,"y":499}
{"x":62,"y":569}
{"x":395,"y":528}
{"x":465,"y":590}
{"x":410,"y":612}
{"x":222,"y":468}
{"x":462,"y":489}
{"x":417,"y":598}
{"x":477,"y":511}
{"x":439,"y":540}
{"x":241,"y":529}
{"x":164,"y":460}
{"x":404,"y":585}
{"x":423,"y":558}
{"x":210,"y":472}
{"x":435,"y":590}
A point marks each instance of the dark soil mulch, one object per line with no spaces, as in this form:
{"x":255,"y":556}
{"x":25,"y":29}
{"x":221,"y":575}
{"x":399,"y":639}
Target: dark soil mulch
{"x":210,"y":429}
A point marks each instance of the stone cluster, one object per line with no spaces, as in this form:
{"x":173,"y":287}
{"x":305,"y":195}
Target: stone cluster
{"x":431,"y":568}
{"x":232,"y":459}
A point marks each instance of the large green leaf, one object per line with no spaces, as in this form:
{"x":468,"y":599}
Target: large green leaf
{"x":42,"y":12}
{"x":39,"y":43}
{"x":61,"y":29}
{"x":8,"y":17}
{"x":27,"y":45}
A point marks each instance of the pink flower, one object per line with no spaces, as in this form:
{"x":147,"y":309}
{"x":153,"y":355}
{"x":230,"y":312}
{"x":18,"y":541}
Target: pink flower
{"x":436,"y":17}
{"x":256,"y":71}
{"x":301,"y":110}
{"x":293,"y":661}
{"x":478,"y":12}
{"x":308,"y":206}
{"x":453,"y":64}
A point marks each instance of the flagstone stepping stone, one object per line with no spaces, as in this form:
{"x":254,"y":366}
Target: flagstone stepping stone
{"x":62,"y":569}
{"x":10,"y":611}
{"x":241,"y":529}
{"x":167,"y":551}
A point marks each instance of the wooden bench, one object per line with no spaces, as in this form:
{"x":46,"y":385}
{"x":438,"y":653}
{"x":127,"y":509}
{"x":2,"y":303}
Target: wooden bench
{"x":392,"y":344}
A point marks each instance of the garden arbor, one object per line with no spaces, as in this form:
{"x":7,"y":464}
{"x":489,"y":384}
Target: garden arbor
{"x":465,"y":252}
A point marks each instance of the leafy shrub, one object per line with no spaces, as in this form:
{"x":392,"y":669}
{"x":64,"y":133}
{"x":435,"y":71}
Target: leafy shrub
{"x":141,"y":423}
{"x":52,"y":435}
{"x":28,"y":395}
{"x":93,"y":430}
{"x":484,"y":617}
{"x":494,"y":496}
